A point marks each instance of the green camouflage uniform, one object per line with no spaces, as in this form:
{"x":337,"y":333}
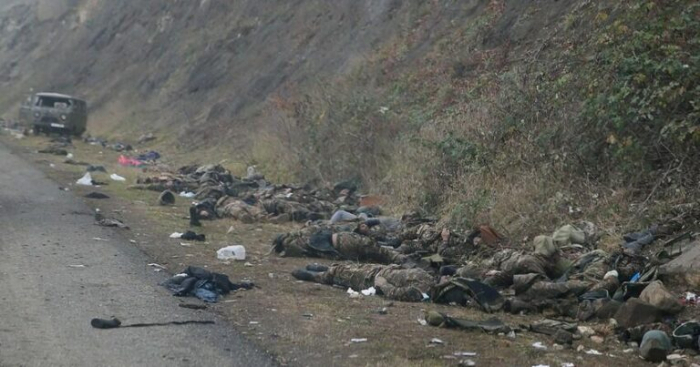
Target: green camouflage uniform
{"x":392,"y":281}
{"x":348,"y":246}
{"x":353,"y":246}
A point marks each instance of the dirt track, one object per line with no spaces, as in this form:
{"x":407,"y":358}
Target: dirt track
{"x":47,"y":299}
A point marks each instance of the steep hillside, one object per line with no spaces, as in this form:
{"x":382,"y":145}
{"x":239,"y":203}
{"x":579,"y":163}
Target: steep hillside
{"x":521,"y":114}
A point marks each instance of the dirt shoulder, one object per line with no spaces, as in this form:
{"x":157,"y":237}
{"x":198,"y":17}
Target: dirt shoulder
{"x":300,"y":323}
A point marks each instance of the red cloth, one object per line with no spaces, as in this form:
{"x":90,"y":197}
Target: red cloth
{"x":128,"y":161}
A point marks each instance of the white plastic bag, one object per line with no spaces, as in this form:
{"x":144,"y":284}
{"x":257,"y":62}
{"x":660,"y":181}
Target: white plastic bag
{"x":85,"y":180}
{"x":236,"y":252}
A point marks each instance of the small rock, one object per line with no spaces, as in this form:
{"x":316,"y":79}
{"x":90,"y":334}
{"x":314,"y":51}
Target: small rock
{"x":580,"y":348}
{"x":577,"y":336}
{"x":467,"y":362}
{"x":271,"y":275}
{"x":674,"y":357}
{"x":633,"y":344}
{"x":557,"y":347}
{"x":511,"y":335}
{"x":629,"y":350}
{"x":248,"y":264}
{"x":597,"y":339}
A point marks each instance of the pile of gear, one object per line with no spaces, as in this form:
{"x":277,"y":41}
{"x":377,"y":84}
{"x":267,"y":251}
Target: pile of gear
{"x":563,"y":275}
{"x":219,"y":194}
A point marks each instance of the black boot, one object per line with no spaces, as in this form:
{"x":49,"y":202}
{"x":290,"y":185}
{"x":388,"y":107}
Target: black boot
{"x":194,"y":217}
{"x":305,"y":275}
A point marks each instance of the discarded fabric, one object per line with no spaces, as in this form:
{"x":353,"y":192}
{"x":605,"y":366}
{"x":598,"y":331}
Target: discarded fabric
{"x":203,"y":284}
{"x":92,"y":168}
{"x":150,"y":156}
{"x":127,"y":161}
{"x":176,"y":235}
{"x":186,"y":194}
{"x":353,"y":293}
{"x":191,"y":236}
{"x":358,"y":340}
{"x":86,"y":180}
{"x":96,"y":195}
{"x":116,"y":177}
{"x":369,"y":291}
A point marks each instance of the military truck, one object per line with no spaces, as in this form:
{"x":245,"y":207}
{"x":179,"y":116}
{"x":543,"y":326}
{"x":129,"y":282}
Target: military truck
{"x":53,"y":112}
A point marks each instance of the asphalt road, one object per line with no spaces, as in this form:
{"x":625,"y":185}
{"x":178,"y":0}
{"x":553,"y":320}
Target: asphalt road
{"x":46,"y":304}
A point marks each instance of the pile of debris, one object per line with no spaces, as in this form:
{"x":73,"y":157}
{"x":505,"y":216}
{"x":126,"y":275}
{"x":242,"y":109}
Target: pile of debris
{"x":564,"y":275}
{"x":219,"y":194}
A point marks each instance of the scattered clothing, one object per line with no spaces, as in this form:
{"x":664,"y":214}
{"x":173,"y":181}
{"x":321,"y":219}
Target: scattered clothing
{"x":192,"y":236}
{"x":96,"y":195}
{"x":205,"y":285}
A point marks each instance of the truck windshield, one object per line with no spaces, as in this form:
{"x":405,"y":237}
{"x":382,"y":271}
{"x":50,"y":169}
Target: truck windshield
{"x":53,"y":102}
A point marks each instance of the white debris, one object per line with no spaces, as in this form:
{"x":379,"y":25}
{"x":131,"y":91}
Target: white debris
{"x":52,"y":165}
{"x":586,"y":331}
{"x":465,"y":354}
{"x":353,"y":294}
{"x":467,"y":362}
{"x":156,"y":266}
{"x":185,"y":244}
{"x":422,"y":322}
{"x":540,"y":365}
{"x":76,"y":266}
{"x":116,"y":177}
{"x":567,"y":364}
{"x":85,"y":180}
{"x":691,"y":297}
{"x":436,"y":341}
{"x":369,"y":291}
{"x":235,"y":252}
{"x":186,"y":194}
{"x":539,"y":345}
{"x":176,"y":235}
{"x":254,"y":322}
{"x":594,"y":352}
{"x":69,"y":156}
{"x":358,"y":340}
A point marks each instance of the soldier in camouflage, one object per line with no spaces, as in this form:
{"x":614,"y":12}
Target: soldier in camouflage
{"x":393,"y":281}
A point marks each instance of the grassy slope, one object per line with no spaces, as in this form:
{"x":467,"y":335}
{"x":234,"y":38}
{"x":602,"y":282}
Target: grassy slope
{"x":481,"y":111}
